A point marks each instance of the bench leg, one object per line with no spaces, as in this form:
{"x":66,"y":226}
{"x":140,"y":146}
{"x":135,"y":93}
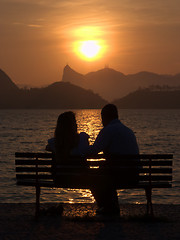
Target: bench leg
{"x":148,"y":191}
{"x":37,"y":200}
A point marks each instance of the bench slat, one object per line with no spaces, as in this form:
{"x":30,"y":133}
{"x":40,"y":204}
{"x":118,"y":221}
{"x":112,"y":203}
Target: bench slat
{"x":155,"y":178}
{"x":130,"y":156}
{"x":78,"y":185}
{"x":33,"y":183}
{"x":156,"y":170}
{"x":140,"y":156}
{"x":33,"y":155}
{"x":78,"y":174}
{"x":98,"y":163}
{"x":33,"y":176}
{"x":49,"y":169}
{"x":143,"y":163}
{"x":156,"y":185}
{"x":32,"y":162}
{"x":82,"y":169}
{"x":33,"y":169}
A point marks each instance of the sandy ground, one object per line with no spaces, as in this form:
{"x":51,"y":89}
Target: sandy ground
{"x":79,"y":221}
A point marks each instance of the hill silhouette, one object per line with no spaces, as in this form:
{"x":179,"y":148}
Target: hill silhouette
{"x":9,"y":92}
{"x":70,"y":75}
{"x":111,"y":84}
{"x":6,"y":83}
{"x":150,"y":99}
{"x":62,"y":95}
{"x":65,"y":95}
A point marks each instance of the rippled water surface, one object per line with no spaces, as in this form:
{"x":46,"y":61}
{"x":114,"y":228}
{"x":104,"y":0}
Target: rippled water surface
{"x":157,"y":131}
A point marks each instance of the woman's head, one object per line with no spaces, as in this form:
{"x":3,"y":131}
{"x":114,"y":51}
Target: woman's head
{"x":66,"y":136}
{"x":66,"y":123}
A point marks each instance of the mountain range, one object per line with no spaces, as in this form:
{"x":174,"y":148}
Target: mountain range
{"x":111,"y":84}
{"x":150,"y":99}
{"x":62,"y":95}
{"x":94,"y":90}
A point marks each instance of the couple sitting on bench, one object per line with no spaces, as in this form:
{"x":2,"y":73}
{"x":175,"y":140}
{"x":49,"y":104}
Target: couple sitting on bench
{"x":114,"y":138}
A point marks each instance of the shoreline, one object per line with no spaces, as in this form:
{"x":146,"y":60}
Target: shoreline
{"x":79,"y":221}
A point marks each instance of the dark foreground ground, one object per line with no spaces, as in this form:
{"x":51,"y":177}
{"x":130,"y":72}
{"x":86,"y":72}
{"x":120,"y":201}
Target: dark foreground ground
{"x":80,"y":222}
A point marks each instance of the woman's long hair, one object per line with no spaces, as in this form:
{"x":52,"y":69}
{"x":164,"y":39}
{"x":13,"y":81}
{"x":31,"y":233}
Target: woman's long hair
{"x":66,"y":136}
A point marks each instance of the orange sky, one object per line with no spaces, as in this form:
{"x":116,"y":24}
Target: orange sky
{"x":37,"y":37}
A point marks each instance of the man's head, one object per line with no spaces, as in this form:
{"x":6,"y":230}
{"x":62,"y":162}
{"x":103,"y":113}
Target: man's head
{"x":109,"y":113}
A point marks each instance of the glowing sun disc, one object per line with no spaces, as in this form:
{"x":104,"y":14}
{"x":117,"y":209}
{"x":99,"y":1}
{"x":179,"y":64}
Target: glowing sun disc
{"x":90,"y":48}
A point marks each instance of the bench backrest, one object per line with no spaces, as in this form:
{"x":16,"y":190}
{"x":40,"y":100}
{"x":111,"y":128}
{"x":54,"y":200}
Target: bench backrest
{"x":36,"y":168}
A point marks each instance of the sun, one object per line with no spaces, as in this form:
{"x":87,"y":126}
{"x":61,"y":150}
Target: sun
{"x":89,"y":49}
{"x":89,"y":43}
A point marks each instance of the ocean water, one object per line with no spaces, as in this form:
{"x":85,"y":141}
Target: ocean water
{"x":157,"y":131}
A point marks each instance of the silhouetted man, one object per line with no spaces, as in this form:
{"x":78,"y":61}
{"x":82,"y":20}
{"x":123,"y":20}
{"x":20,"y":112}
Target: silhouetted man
{"x":114,"y":138}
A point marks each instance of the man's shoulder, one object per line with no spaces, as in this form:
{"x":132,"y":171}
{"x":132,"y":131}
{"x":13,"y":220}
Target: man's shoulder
{"x":116,"y":123}
{"x":112,"y":126}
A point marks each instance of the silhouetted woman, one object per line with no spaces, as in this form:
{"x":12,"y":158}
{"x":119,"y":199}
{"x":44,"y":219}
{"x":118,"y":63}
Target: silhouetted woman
{"x":67,"y":141}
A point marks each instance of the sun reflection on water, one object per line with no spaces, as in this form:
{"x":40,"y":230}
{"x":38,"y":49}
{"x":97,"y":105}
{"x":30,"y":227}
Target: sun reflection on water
{"x":89,"y":121}
{"x":71,"y":200}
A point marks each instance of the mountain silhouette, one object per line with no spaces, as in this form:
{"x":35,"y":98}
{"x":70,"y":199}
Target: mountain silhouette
{"x":65,"y":95}
{"x":111,"y":84}
{"x":62,"y":95}
{"x":150,"y":99}
{"x":9,"y":92}
{"x":6,"y":84}
{"x":69,"y":75}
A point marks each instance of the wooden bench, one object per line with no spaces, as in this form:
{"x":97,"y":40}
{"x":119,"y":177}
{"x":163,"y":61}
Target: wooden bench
{"x":36,"y":169}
